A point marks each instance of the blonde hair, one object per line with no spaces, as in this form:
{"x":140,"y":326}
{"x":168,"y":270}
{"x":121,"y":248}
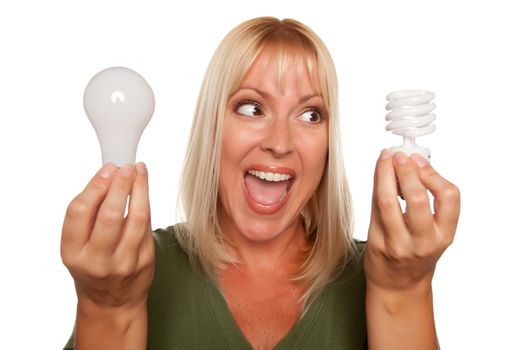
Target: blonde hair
{"x":327,"y":216}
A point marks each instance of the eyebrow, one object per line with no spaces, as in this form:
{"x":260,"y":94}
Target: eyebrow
{"x":265,"y":95}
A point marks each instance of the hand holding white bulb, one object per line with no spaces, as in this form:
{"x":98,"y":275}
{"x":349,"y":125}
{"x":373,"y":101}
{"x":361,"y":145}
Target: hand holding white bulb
{"x":411,"y":116}
{"x":119,"y":104}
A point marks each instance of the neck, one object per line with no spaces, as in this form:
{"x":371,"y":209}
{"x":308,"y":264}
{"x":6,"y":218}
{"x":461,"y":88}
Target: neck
{"x":285,"y":252}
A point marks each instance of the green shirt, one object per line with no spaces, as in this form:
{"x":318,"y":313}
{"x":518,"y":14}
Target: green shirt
{"x":186,"y":311}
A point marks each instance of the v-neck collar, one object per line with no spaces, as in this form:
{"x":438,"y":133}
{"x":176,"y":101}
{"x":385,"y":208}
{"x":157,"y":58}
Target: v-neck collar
{"x":231,"y":331}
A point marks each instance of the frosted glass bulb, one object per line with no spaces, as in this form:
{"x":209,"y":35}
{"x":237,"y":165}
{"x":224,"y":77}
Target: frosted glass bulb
{"x":119,"y":104}
{"x":411,"y":116}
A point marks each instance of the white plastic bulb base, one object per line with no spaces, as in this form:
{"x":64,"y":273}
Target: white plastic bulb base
{"x":119,"y":104}
{"x":412,"y":149}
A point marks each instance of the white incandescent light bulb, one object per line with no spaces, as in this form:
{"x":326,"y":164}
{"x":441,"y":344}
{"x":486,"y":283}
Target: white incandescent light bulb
{"x":411,"y":116}
{"x":119,"y":104}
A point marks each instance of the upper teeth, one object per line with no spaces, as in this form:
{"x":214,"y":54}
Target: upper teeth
{"x":268,"y":176}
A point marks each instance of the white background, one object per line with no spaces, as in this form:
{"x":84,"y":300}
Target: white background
{"x":470,"y":53}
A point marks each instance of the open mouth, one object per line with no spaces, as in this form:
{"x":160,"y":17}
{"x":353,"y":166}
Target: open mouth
{"x":267,"y":188}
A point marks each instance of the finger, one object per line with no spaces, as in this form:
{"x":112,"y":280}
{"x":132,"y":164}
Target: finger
{"x":81,"y":212}
{"x":110,"y":218}
{"x":385,"y":196}
{"x":138,"y":221}
{"x":420,"y":220}
{"x":446,"y":198}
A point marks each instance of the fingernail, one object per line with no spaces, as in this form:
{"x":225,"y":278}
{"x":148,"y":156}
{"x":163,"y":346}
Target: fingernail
{"x":385,"y":154}
{"x":400,"y":158}
{"x":141,"y":168}
{"x":106,"y":170}
{"x":127,"y":170}
{"x":419,"y":160}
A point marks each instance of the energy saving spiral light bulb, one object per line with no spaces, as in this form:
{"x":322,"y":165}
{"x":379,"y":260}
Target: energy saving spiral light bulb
{"x":411,"y":116}
{"x":119,"y":104}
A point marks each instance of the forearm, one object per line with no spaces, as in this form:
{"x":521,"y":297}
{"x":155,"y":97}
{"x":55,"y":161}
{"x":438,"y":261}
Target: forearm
{"x":114,"y":328}
{"x":400,"y":320}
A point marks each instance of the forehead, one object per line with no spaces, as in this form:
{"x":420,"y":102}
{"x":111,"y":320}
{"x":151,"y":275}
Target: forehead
{"x":283,"y":67}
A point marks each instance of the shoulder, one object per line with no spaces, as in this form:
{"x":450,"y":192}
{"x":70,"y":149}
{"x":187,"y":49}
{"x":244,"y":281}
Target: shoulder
{"x":168,"y":236}
{"x":170,"y":257}
{"x":168,"y":240}
{"x":353,"y":267}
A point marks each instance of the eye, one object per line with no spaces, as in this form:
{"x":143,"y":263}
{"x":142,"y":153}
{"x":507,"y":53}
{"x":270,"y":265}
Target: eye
{"x":312,"y":115}
{"x":249,"y":108}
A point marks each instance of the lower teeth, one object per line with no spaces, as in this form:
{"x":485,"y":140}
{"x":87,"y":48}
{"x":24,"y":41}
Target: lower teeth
{"x":283,"y":195}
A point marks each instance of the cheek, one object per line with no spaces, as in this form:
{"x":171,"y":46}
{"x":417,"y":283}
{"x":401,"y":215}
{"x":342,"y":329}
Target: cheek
{"x":237,"y":140}
{"x":313,"y":150}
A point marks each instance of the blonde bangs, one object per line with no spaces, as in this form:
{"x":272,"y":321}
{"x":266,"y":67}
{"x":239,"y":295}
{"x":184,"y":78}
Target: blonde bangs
{"x":289,"y":50}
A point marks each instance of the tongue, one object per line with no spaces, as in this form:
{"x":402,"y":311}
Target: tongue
{"x":265,"y":192}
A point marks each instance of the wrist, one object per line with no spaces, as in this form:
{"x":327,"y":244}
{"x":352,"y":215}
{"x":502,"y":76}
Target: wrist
{"x":400,"y":318}
{"x":400,"y":301}
{"x":403,"y":298}
{"x":91,"y":309}
{"x":103,"y":327}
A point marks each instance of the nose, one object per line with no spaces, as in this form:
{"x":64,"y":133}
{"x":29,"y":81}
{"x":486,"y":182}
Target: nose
{"x":277,"y":140}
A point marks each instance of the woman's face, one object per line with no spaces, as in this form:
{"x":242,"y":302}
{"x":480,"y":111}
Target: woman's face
{"x":274,"y":149}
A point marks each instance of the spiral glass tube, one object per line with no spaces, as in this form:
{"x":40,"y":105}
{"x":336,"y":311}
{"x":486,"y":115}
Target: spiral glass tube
{"x":410,"y":115}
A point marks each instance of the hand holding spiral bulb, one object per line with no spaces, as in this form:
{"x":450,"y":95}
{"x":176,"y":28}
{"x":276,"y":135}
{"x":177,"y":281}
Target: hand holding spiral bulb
{"x":411,"y":116}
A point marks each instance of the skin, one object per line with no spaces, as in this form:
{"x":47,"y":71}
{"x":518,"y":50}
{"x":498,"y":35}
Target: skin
{"x":280,"y":137}
{"x":403,"y":249}
{"x":277,"y":127}
{"x":111,"y":257}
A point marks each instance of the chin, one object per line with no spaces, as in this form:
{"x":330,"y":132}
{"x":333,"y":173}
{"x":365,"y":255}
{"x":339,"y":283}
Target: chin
{"x":263,"y":228}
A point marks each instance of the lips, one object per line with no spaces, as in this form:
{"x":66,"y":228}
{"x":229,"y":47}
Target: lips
{"x":267,"y":189}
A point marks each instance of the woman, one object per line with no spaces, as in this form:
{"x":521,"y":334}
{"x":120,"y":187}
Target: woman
{"x":266,"y":258}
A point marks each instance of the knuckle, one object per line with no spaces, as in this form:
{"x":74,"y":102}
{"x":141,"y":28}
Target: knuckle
{"x":100,"y":274}
{"x":98,"y":187}
{"x":77,"y":208}
{"x":148,"y":257}
{"x":451,"y":193}
{"x":98,"y":268}
{"x":386,"y":204}
{"x":89,"y":266}
{"x":126,"y":268}
{"x":429,"y":248}
{"x":111,"y":216}
{"x":67,"y":254}
{"x":67,"y":258}
{"x":418,"y":200}
{"x":424,"y":252}
{"x":447,"y":240}
{"x":396,"y":253}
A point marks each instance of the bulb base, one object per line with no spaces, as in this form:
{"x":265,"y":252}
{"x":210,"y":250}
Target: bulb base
{"x":412,"y":149}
